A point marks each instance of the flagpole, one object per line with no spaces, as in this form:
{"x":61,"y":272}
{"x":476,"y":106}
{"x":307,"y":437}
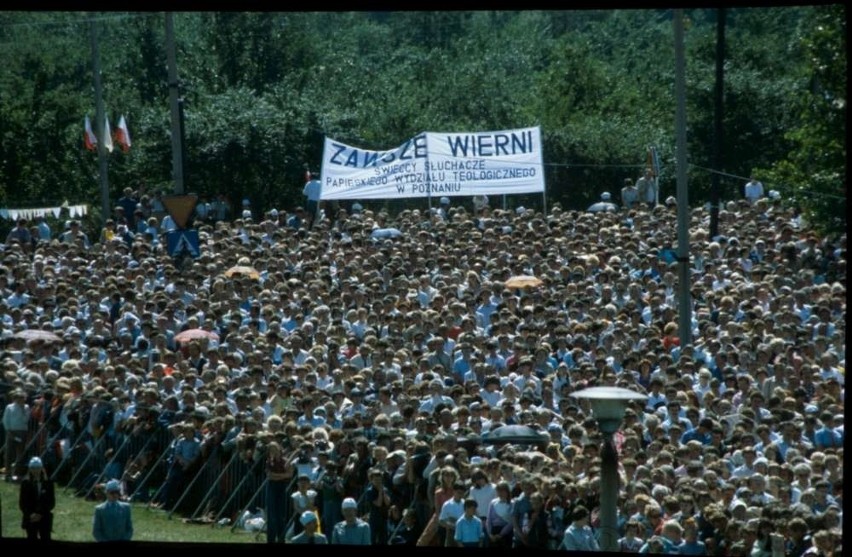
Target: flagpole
{"x":174,"y":93}
{"x":99,"y":121}
{"x":684,"y":313}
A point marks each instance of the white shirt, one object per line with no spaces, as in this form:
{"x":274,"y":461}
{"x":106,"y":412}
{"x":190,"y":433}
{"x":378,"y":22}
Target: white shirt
{"x":483,"y":497}
{"x":753,"y":190}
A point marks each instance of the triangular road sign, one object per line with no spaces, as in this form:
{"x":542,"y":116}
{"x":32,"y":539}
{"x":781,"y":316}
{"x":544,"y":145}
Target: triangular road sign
{"x":180,"y":207}
{"x":183,"y":241}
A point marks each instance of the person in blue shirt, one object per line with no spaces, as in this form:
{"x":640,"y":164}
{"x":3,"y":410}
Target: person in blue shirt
{"x":113,"y":521}
{"x":310,"y":534}
{"x":631,"y":542}
{"x":702,"y":433}
{"x":297,"y":219}
{"x":309,"y":418}
{"x":579,"y":536}
{"x":691,"y":544}
{"x":827,"y":436}
{"x":44,"y":231}
{"x":469,"y":531}
{"x":187,"y":451}
{"x":351,"y":530}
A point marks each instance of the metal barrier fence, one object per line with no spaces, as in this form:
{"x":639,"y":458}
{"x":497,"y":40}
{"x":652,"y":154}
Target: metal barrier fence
{"x":224,"y":483}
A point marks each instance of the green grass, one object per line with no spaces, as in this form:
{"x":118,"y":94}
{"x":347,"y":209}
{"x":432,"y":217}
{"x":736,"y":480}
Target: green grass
{"x":72,"y":522}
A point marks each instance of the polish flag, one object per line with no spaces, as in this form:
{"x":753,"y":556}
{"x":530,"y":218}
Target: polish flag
{"x":122,"y":135}
{"x":89,"y":138}
{"x":307,"y":175}
{"x":107,"y":135}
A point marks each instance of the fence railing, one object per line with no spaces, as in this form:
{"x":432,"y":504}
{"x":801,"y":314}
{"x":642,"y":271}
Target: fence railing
{"x":224,"y":483}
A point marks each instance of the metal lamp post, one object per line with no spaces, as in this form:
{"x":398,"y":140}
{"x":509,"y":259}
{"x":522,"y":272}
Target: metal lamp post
{"x":608,"y":405}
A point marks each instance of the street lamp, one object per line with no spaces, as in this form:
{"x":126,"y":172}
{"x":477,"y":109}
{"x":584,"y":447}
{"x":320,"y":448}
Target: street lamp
{"x":608,"y":405}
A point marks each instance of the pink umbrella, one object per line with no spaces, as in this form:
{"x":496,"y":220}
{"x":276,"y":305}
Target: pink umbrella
{"x":195,"y":334}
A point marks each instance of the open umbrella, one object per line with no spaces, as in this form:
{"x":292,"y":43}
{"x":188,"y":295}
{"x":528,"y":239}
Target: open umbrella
{"x":37,"y":334}
{"x":517,"y":434}
{"x":523,"y":281}
{"x":195,"y":334}
{"x":243,"y":270}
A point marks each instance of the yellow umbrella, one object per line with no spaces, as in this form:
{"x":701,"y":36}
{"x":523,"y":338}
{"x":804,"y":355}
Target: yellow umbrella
{"x":523,"y":281}
{"x":243,"y":270}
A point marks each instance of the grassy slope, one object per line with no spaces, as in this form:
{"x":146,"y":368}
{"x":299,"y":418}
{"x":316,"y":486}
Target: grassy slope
{"x":73,"y":522}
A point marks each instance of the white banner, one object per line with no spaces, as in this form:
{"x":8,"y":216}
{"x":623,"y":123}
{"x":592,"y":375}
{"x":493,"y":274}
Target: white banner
{"x":436,"y":164}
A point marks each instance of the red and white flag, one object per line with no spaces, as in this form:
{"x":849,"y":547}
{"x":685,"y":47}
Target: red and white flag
{"x":107,"y":135}
{"x":307,"y":175}
{"x":122,"y":135}
{"x":89,"y":139}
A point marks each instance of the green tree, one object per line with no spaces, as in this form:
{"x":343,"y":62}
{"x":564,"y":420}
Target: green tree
{"x":813,"y":174}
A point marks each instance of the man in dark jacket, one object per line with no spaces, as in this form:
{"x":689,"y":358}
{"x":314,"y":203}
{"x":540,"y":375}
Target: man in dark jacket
{"x":36,"y":502}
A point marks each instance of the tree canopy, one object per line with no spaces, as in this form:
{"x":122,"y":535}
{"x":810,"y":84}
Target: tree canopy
{"x":261,"y":90}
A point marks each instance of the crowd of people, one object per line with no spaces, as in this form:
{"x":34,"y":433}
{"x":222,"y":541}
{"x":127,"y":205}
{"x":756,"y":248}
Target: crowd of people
{"x":357,"y":359}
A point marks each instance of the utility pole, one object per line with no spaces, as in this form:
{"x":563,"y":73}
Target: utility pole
{"x":174,"y":99}
{"x":684,"y":294}
{"x":718,"y":115}
{"x":100,"y":121}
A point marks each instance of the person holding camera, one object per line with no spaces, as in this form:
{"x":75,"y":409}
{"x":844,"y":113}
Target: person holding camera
{"x":378,"y":499}
{"x":304,"y":463}
{"x":330,"y":486}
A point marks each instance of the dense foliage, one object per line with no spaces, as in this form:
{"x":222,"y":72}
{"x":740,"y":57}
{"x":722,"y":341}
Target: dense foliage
{"x":262,"y":89}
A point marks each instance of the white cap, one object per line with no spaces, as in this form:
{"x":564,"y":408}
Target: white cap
{"x":445,"y":201}
{"x":273,"y":213}
{"x":246,"y":214}
{"x":113,"y":485}
{"x":35,"y":462}
{"x":308,"y":517}
{"x":606,"y":196}
{"x":349,"y":503}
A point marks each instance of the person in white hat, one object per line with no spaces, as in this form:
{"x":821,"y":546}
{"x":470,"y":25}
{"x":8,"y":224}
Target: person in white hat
{"x":351,"y":530}
{"x":36,"y":502}
{"x":113,"y":521}
{"x":310,"y":534}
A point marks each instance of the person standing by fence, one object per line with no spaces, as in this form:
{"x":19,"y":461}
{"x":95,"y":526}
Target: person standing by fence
{"x":16,"y":417}
{"x":277,"y":479}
